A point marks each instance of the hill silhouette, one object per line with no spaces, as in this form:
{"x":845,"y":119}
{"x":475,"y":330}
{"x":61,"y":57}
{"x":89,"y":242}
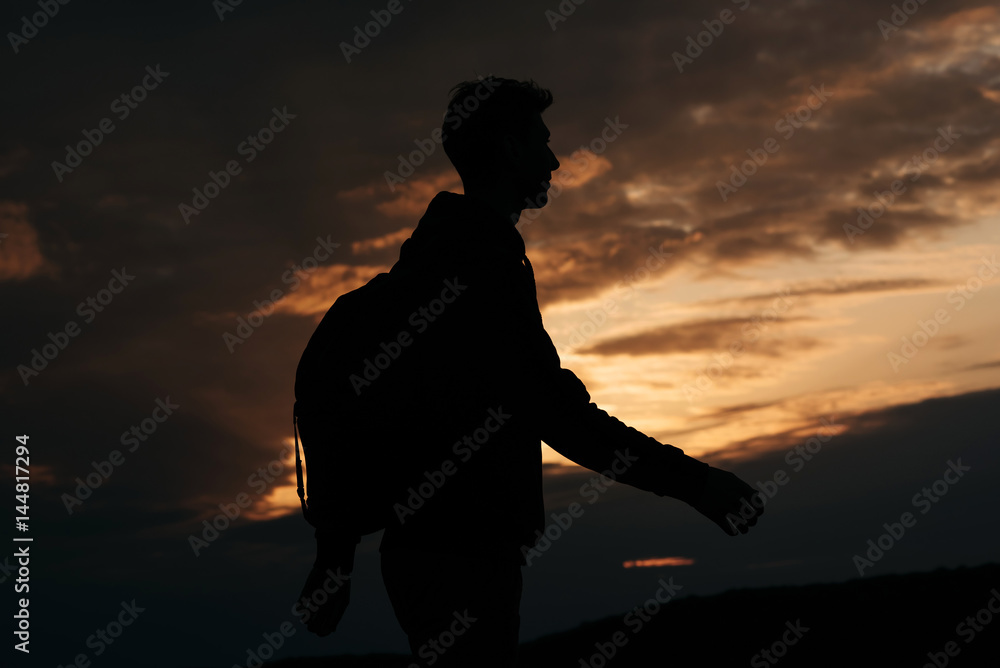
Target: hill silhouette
{"x":890,"y":620}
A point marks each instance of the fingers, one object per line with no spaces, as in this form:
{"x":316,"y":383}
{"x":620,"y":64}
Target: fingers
{"x":329,"y":614}
{"x":326,"y":616}
{"x":323,"y":628}
{"x":731,"y":503}
{"x":323,"y":624}
{"x":744,"y":514}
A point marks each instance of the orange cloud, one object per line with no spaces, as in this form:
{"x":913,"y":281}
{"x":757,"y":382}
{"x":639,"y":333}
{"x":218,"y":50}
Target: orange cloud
{"x":392,"y":239}
{"x":414,"y":195}
{"x":657,"y":562}
{"x":19,"y":245}
{"x":580,"y":167}
{"x":324,"y":286}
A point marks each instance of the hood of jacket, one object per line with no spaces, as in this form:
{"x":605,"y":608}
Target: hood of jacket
{"x":457,"y":225}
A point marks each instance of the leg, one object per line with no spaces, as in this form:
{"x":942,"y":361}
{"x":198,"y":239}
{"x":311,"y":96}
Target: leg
{"x":454,"y":610}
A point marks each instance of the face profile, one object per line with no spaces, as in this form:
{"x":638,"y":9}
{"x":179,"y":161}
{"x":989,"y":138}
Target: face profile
{"x":495,"y":137}
{"x":531,"y":163}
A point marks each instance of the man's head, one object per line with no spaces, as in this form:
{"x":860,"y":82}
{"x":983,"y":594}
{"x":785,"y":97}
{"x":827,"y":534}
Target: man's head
{"x":494,"y":135}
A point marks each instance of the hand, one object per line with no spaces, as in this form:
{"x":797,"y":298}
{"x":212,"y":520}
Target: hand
{"x":323,"y":619}
{"x":728,"y":501}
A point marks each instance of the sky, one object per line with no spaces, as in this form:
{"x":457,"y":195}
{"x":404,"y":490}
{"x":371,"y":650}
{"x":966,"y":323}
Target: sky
{"x":772,"y":243}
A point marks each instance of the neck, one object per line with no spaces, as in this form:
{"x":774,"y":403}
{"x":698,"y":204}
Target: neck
{"x":503,"y":202}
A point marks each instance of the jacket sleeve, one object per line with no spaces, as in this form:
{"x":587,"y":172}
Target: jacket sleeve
{"x":567,"y":419}
{"x":576,"y":428}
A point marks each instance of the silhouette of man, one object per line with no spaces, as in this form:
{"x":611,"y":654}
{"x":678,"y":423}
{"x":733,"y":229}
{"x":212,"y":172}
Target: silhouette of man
{"x":467,"y":387}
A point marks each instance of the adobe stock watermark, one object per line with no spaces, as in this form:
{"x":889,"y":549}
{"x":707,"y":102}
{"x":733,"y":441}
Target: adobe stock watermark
{"x":421,"y":319}
{"x":596,"y":318}
{"x":245,"y":327}
{"x":590,"y":490}
{"x":696,"y":44}
{"x":929,"y":328}
{"x":273,"y":641}
{"x":121,"y":106}
{"x":7,"y":569}
{"x":751,"y":332}
{"x":464,"y":449}
{"x":566,"y":9}
{"x":88,"y":310}
{"x":102,"y":638}
{"x":913,"y":168}
{"x":134,"y":436}
{"x":223,"y":7}
{"x":302,"y":609}
{"x":372,"y":29}
{"x":23,"y":614}
{"x":797,"y":458}
{"x":582,"y":157}
{"x":924,"y":500}
{"x":435,"y":647}
{"x":897,"y":19}
{"x":967,"y":629}
{"x":636,"y":620}
{"x":249,"y":148}
{"x":787,"y":125}
{"x":779,"y":648}
{"x":259,"y":480}
{"x":37,"y":21}
{"x":426,"y":147}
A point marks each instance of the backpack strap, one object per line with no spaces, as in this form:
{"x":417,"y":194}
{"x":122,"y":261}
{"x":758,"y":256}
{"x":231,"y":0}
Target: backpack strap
{"x":298,"y":469}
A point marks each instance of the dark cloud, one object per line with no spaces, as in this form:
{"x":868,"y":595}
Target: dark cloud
{"x":982,"y":365}
{"x":703,"y":335}
{"x":844,"y":287}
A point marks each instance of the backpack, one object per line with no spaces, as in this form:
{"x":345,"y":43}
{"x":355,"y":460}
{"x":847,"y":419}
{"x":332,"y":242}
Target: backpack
{"x":348,"y":428}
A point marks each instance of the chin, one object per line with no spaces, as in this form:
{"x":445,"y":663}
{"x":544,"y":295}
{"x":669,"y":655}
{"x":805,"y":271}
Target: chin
{"x":538,"y":199}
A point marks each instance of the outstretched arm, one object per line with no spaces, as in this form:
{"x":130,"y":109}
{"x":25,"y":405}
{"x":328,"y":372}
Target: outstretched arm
{"x":576,"y":428}
{"x":579,"y":430}
{"x":523,"y":359}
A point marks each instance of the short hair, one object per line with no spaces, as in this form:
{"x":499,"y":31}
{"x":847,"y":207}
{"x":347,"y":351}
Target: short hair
{"x":482,"y":112}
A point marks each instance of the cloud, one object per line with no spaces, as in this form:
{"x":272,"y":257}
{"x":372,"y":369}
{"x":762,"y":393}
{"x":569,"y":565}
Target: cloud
{"x":701,"y":335}
{"x":13,"y":161}
{"x":19,"y":249}
{"x":835,"y":288}
{"x":994,"y":364}
{"x":324,"y":286}
{"x":413,"y":196}
{"x":579,"y":168}
{"x":390,"y":240}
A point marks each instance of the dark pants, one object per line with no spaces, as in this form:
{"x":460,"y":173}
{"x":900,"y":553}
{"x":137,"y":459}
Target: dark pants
{"x":456,"y":611}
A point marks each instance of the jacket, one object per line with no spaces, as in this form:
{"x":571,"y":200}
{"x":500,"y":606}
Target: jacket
{"x":466,"y":384}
